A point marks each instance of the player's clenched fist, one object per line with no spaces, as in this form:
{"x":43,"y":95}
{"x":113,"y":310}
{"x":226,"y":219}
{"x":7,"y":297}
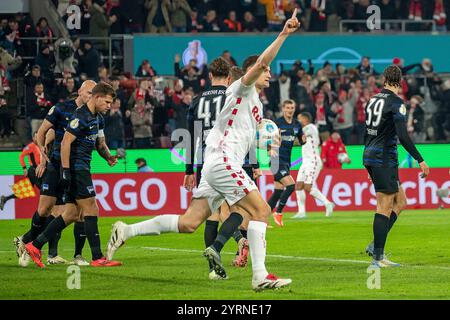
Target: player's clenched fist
{"x":292,"y":24}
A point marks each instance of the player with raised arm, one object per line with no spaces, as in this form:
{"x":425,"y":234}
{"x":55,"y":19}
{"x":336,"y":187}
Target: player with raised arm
{"x":230,"y":140}
{"x":290,"y":129}
{"x":50,"y":200}
{"x":310,"y":168}
{"x":79,"y":141}
{"x":385,"y":125}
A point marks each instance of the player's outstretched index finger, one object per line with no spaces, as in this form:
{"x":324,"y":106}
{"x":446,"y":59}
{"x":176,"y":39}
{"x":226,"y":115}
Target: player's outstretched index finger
{"x":294,"y":14}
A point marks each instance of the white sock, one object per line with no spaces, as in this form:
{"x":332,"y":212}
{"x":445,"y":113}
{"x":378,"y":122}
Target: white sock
{"x":256,"y":235}
{"x":160,"y":224}
{"x":301,"y":199}
{"x":318,"y":195}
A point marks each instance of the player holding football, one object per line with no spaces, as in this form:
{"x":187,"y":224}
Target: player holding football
{"x":310,"y":168}
{"x":228,"y":143}
{"x":385,"y":124}
{"x":50,"y":200}
{"x":280,"y":160}
{"x":79,"y":141}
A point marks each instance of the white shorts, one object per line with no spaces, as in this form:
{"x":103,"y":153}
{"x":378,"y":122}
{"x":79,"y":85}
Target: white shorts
{"x":223,"y":181}
{"x":309,"y":171}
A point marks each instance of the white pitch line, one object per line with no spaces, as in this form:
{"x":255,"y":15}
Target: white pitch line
{"x":297,"y":258}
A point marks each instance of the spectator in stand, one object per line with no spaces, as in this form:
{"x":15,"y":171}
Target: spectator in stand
{"x":89,"y":60}
{"x":43,"y":30}
{"x":360,"y":123}
{"x":195,"y":23}
{"x":365,"y":68}
{"x":322,"y":114}
{"x":231,"y":23}
{"x":115,"y":18}
{"x":144,"y":92}
{"x":180,"y":11}
{"x":142,"y":166}
{"x":38,"y":105}
{"x":180,"y":109}
{"x":416,"y":120}
{"x":102,"y":75}
{"x":26,"y":30}
{"x":7,"y":61}
{"x":11,"y":41}
{"x":189,"y":74}
{"x":66,"y":89}
{"x":120,"y":93}
{"x":133,"y":15}
{"x":34,"y":77}
{"x":360,"y":13}
{"x":441,"y":119}
{"x":275,"y":13}
{"x":344,"y":108}
{"x":249,"y":23}
{"x":142,"y":120}
{"x":114,"y":127}
{"x":5,"y":112}
{"x":99,"y":25}
{"x":227,"y":56}
{"x":211,"y":23}
{"x":331,"y":149}
{"x":158,"y":20}
{"x":46,"y":60}
{"x":303,"y":96}
{"x":372,"y":86}
{"x":318,"y":20}
{"x":439,"y":16}
{"x":145,"y":70}
{"x":281,"y":90}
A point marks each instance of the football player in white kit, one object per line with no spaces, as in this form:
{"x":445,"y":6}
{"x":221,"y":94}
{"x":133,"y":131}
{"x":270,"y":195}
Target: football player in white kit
{"x":310,"y":168}
{"x":223,"y":178}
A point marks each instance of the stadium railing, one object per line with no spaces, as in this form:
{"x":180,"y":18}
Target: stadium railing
{"x":389,"y":24}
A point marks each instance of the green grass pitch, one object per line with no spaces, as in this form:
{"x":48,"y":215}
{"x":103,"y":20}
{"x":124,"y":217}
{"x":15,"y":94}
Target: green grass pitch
{"x":324,"y":257}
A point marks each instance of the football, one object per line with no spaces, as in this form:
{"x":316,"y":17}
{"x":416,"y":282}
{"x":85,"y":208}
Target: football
{"x":342,"y":157}
{"x":267,"y":133}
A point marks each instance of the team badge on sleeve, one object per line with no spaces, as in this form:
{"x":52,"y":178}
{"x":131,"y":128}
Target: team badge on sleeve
{"x":402,"y":109}
{"x":74,"y":123}
{"x":50,"y":112}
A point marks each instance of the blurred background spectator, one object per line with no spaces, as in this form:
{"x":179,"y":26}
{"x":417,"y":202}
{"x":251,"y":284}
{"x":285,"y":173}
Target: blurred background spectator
{"x":333,"y":152}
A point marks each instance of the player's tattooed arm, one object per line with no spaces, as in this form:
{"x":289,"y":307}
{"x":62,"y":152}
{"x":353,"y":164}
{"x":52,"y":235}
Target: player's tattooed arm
{"x":103,"y":151}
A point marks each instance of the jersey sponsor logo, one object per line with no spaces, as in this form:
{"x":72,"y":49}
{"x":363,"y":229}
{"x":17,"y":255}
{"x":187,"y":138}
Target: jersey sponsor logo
{"x":50,"y":112}
{"x":74,"y":123}
{"x":255,"y":113}
{"x":372,"y":132}
{"x":92,"y":137}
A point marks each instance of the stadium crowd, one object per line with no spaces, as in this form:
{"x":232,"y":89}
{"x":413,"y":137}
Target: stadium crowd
{"x":149,"y":107}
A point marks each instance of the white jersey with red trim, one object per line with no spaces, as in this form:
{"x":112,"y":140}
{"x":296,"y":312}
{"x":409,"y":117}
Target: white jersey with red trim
{"x":234,"y":132}
{"x":310,"y":150}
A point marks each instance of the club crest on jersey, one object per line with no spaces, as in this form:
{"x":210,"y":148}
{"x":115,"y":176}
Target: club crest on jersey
{"x":402,"y":109}
{"x":50,"y":112}
{"x":74,"y":123}
{"x":90,"y":189}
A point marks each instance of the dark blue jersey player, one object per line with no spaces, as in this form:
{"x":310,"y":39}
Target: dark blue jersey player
{"x":77,"y":145}
{"x":385,"y":125}
{"x":280,"y":160}
{"x":50,"y":200}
